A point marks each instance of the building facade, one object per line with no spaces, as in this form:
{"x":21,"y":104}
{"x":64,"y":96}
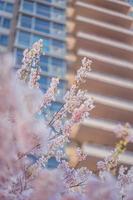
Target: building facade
{"x":23,"y":22}
{"x":102,"y":31}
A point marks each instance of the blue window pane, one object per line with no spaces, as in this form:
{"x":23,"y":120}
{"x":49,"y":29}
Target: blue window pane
{"x":35,"y":38}
{"x":28,"y":5}
{"x":26,"y":21}
{"x":4,"y":40}
{"x":44,"y":90}
{"x":58,"y":44}
{"x":19,"y":56}
{"x":55,"y":106}
{"x":9,"y":7}
{"x":0,"y":20}
{"x":44,"y":59}
{"x":43,"y":10}
{"x":131,"y":14}
{"x":62,"y":84}
{"x":58,"y":26}
{"x":58,"y":11}
{"x":60,"y":66}
{"x":47,"y":43}
{"x":1,"y":5}
{"x":60,"y":2}
{"x":48,"y":1}
{"x":52,"y":163}
{"x":44,"y":82}
{"x":24,"y":38}
{"x":6,"y":23}
{"x":42,"y":25}
{"x":130,"y":1}
{"x":44,"y":63}
{"x":58,"y":62}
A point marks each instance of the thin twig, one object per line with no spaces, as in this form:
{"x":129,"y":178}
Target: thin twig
{"x":55,"y":115}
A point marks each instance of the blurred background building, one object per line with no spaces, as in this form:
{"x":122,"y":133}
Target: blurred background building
{"x":22,"y":22}
{"x":102,"y":31}
{"x":99,"y":29}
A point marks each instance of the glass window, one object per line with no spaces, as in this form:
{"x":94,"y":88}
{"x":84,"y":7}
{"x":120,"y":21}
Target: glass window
{"x":24,"y":38}
{"x":47,"y":43}
{"x":42,"y":25}
{"x":58,"y":66}
{"x":61,"y":2}
{"x":44,"y":59}
{"x":19,"y":56}
{"x":58,"y":12}
{"x":44,"y":82}
{"x":44,"y":63}
{"x":26,"y":21}
{"x":55,"y":106}
{"x":58,"y":62}
{"x":44,"y":10}
{"x":61,"y":88}
{"x":0,"y":20}
{"x":44,"y":90}
{"x":6,"y":23}
{"x":9,"y":7}
{"x":58,"y":43}
{"x":35,"y":38}
{"x":62,"y":84}
{"x":52,"y":163}
{"x":130,"y":1}
{"x":28,"y":5}
{"x":131,"y":14}
{"x":4,"y":40}
{"x":59,"y":26}
{"x":1,"y":5}
{"x":49,"y":1}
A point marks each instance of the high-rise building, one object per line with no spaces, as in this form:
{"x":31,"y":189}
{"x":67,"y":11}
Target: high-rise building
{"x":102,"y":31}
{"x":22,"y":22}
